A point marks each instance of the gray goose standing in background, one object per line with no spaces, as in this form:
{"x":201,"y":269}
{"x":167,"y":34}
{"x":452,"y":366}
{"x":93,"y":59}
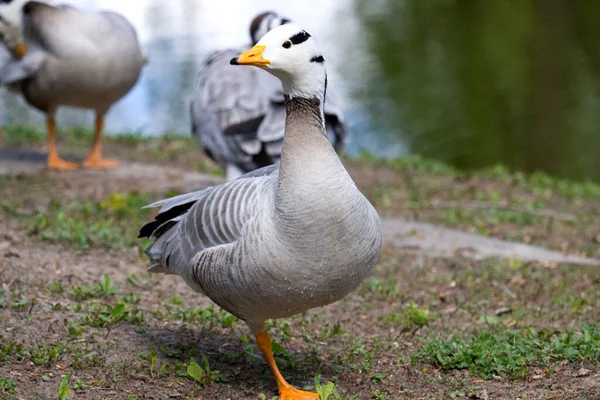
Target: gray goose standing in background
{"x":74,"y":58}
{"x":285,"y":238}
{"x":238,"y":114}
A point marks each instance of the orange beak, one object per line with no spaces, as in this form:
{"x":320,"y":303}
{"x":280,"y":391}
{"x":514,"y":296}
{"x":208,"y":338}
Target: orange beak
{"x":251,"y":57}
{"x":20,"y":50}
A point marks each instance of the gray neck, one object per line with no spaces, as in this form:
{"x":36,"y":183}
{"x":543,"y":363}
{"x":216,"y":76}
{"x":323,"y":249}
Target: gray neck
{"x":311,"y":176}
{"x":304,"y":141}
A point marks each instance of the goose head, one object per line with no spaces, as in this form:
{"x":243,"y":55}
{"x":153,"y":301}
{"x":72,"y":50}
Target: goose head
{"x":263,"y":23}
{"x":11,"y":26}
{"x":290,"y":54}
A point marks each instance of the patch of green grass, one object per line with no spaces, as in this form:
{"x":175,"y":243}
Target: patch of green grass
{"x":12,"y":351}
{"x":100,"y":315}
{"x":101,"y":289}
{"x":113,"y":222}
{"x":8,"y":386}
{"x":79,"y":385}
{"x":202,"y":375}
{"x":211,"y":316}
{"x":55,"y":287}
{"x":512,"y":353}
{"x":47,"y":353}
{"x":19,"y":135}
{"x":410,"y":315}
{"x":384,"y":289}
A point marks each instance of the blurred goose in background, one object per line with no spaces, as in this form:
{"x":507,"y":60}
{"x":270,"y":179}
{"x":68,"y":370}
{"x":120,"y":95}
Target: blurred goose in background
{"x":282,"y":239}
{"x":69,"y":57}
{"x":11,"y":33}
{"x":238,"y":114}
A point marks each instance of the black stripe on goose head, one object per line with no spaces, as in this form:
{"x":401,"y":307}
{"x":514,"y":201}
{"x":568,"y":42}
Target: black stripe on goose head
{"x":300,"y":37}
{"x":317,"y":59}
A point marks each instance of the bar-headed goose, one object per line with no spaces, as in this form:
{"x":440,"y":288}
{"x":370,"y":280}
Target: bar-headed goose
{"x":238,"y":114}
{"x":74,"y":58}
{"x":11,"y":35}
{"x":284,"y":238}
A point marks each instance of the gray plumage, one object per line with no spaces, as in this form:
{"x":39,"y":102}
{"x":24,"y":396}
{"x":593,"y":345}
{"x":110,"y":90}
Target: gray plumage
{"x":281,"y":239}
{"x":271,"y":244}
{"x":74,"y":58}
{"x":238,"y":114}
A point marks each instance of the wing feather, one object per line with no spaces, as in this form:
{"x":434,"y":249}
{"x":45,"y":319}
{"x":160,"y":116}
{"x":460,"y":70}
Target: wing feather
{"x":200,"y":221}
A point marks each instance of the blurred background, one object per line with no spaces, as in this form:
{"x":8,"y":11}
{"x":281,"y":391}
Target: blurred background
{"x":468,"y":82}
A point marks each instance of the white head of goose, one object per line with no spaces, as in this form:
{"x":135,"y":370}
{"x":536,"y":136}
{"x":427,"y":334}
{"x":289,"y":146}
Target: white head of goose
{"x":238,"y":114}
{"x":11,"y":25}
{"x":296,"y":61}
{"x":282,"y":239}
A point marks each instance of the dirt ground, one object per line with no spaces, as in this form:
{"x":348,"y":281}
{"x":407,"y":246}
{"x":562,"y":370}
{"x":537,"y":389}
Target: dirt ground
{"x":136,"y":335}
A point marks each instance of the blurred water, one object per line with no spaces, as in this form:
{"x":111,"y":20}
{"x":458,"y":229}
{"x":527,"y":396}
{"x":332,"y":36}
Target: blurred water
{"x":469,"y":83}
{"x":178,"y":34}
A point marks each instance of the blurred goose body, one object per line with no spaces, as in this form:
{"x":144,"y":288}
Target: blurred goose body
{"x":74,"y":58}
{"x":284,"y":238}
{"x":238,"y":114}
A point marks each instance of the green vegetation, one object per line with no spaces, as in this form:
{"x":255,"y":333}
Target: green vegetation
{"x":212,"y":317}
{"x":512,"y":353}
{"x":411,"y":315}
{"x":101,"y":289}
{"x":8,"y":386}
{"x":64,"y":391}
{"x":110,"y":223}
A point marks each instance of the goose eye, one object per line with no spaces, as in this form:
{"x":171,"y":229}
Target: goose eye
{"x":287,"y":44}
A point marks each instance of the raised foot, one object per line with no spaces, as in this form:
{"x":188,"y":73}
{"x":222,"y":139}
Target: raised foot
{"x":296,"y":394}
{"x":99,"y":163}
{"x":59,"y":164}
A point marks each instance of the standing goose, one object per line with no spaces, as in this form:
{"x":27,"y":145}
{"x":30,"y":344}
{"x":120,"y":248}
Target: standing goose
{"x":282,"y":239}
{"x":74,"y":58}
{"x":238,"y":114}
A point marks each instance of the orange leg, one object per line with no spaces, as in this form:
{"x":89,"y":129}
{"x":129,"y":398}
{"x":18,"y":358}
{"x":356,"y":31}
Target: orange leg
{"x":95,"y":160}
{"x":286,"y":391}
{"x":54,"y":161}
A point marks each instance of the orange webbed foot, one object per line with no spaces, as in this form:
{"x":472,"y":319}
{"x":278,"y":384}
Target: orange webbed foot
{"x":291,"y":393}
{"x":59,"y":164}
{"x":93,"y":162}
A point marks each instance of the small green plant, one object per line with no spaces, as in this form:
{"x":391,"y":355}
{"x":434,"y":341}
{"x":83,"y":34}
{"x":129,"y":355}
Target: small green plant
{"x":411,"y":315}
{"x":64,"y":391}
{"x":379,"y":395}
{"x":75,"y":329}
{"x":12,"y":351}
{"x":45,"y":354}
{"x":21,"y":304}
{"x":326,"y":392}
{"x":100,"y":315}
{"x":8,"y":386}
{"x":55,"y":287}
{"x":102,"y":289}
{"x":192,"y":370}
{"x":79,"y":385}
{"x":385,"y":289}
